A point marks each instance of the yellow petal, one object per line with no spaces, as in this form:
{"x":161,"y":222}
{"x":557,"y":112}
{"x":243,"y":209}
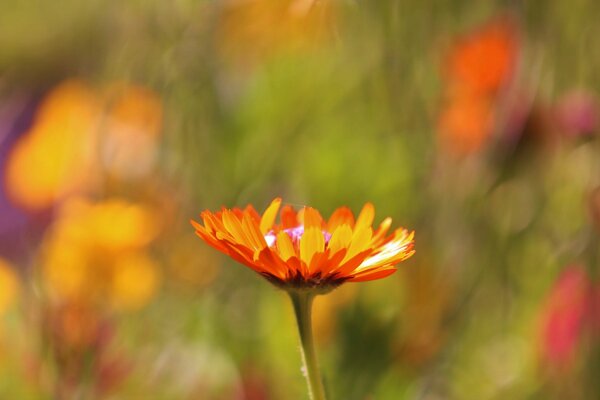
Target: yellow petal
{"x":234,"y":227}
{"x":254,"y":235}
{"x":340,"y":239}
{"x":312,"y":242}
{"x":285,"y":246}
{"x":268,"y":217}
{"x":365,"y":218}
{"x":361,"y":240}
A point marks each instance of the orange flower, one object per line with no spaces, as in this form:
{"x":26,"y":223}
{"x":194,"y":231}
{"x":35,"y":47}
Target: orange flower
{"x":465,"y":123}
{"x":303,"y":251}
{"x":483,"y":60}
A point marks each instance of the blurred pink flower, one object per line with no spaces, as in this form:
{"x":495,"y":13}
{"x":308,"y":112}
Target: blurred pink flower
{"x":578,"y":113}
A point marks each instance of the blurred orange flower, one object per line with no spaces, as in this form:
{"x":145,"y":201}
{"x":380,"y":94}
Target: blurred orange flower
{"x":304,"y":251}
{"x":476,"y":67}
{"x":465,"y":123}
{"x":53,"y":159}
{"x":77,"y":135}
{"x":250,"y":30}
{"x":96,"y":254}
{"x":484,"y":59}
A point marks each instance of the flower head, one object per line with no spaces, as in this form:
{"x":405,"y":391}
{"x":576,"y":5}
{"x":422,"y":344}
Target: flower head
{"x":304,"y":251}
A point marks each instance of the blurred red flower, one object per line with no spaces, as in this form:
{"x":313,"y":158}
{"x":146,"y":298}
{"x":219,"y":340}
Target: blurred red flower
{"x":565,"y":317}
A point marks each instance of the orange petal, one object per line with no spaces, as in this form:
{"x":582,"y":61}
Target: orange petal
{"x":289,"y":218}
{"x":251,"y":211}
{"x":348,"y":266}
{"x":272,"y":263}
{"x":318,"y":262}
{"x":268,"y":217}
{"x":370,"y":276}
{"x":295,"y":267}
{"x":211,"y":241}
{"x":237,"y":212}
{"x":212,"y":221}
{"x":341,"y":216}
{"x":242,"y":255}
{"x":312,"y":218}
{"x":330,"y":263}
{"x":196,"y":225}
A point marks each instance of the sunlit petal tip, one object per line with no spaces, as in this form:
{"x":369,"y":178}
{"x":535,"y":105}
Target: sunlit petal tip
{"x":366,"y":216}
{"x":371,"y":276}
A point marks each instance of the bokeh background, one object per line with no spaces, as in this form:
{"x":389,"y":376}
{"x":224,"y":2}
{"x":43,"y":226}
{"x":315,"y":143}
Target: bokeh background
{"x":474,"y":123}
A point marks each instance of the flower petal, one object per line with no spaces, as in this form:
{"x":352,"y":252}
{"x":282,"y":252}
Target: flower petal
{"x":253,"y":233}
{"x":311,"y":243}
{"x":340,"y":239}
{"x":365,"y":218}
{"x":312,"y":218}
{"x":372,"y":275}
{"x":289,"y":218}
{"x":379,"y":235}
{"x":268,"y":217}
{"x":341,"y":216}
{"x":391,"y":252}
{"x":285,"y":246}
{"x":234,"y":227}
{"x":361,"y":240}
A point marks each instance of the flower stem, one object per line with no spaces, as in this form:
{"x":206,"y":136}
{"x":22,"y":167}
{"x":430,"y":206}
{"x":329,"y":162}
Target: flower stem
{"x":302,"y":301}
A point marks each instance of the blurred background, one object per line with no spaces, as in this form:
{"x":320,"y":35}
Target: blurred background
{"x":474,"y":123}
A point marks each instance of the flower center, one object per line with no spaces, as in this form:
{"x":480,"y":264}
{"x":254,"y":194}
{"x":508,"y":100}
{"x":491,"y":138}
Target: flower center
{"x":294,"y":233}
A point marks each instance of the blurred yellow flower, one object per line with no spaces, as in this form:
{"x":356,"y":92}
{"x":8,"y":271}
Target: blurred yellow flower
{"x":9,"y":286}
{"x":96,"y":253}
{"x":53,"y":158}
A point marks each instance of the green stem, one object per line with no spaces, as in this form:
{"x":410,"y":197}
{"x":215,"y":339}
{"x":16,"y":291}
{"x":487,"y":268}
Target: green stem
{"x":302,"y":301}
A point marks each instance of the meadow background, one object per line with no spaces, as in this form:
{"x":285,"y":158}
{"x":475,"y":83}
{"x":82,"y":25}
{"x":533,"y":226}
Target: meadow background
{"x":474,"y":123}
